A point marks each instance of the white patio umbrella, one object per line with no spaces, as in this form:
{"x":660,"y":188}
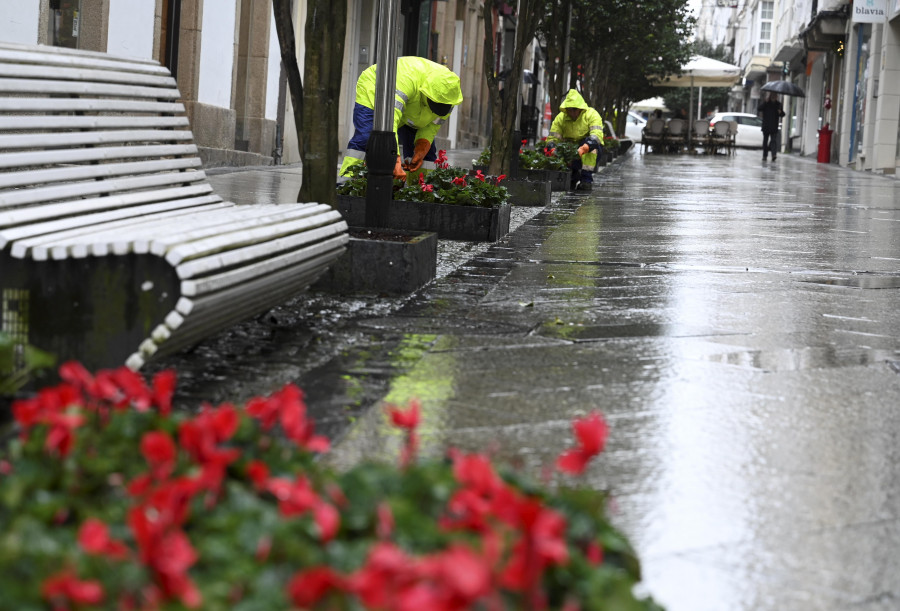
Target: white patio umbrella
{"x":701,"y":72}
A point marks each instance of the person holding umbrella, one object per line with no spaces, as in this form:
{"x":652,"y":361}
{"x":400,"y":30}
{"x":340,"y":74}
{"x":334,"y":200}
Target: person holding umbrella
{"x":771,"y":111}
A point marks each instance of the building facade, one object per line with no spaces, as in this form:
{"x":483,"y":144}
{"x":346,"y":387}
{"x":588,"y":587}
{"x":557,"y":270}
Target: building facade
{"x":844,"y":54}
{"x":226,"y":59}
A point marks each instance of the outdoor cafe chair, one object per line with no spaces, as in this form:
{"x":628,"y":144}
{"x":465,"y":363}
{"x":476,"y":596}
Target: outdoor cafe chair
{"x":700,"y":134}
{"x":732,"y":136}
{"x":675,"y":133}
{"x":653,"y":134}
{"x":720,"y":137}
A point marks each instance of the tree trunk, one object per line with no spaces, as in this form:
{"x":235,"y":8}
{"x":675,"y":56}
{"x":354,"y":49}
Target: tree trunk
{"x":503,"y":110}
{"x":326,"y":24}
{"x":316,"y":116}
{"x":284,"y":27}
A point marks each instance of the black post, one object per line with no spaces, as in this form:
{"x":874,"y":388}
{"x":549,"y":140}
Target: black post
{"x":381,"y":155}
{"x":381,"y":151}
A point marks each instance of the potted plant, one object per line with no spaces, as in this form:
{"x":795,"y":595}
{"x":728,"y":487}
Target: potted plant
{"x":110,"y":499}
{"x":444,"y":200}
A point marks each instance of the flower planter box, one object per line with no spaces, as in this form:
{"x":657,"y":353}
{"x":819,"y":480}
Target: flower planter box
{"x":383,"y":262}
{"x":448,"y":221}
{"x":559,"y":179}
{"x":524,"y":192}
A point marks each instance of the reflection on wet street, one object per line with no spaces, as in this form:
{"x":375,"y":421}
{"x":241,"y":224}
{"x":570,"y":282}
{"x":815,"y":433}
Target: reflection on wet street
{"x":737,"y":322}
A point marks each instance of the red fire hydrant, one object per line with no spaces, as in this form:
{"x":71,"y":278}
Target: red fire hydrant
{"x":825,"y":144}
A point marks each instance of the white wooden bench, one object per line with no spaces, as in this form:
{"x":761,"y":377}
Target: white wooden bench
{"x":113,"y":246}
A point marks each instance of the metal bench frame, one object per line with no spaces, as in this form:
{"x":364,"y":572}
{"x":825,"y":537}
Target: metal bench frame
{"x":113,"y":246}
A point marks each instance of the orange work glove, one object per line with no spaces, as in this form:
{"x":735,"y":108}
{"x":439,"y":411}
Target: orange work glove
{"x":584,"y":148}
{"x":399,"y":174}
{"x":422,"y":148}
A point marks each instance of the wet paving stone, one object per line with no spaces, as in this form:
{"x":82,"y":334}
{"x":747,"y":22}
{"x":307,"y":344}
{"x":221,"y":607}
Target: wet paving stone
{"x":738,"y":325}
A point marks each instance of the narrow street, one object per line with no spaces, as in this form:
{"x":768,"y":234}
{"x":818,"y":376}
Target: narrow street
{"x":736,"y":321}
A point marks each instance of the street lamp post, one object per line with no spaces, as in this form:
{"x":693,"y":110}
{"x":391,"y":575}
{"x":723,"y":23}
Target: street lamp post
{"x":381,"y":151}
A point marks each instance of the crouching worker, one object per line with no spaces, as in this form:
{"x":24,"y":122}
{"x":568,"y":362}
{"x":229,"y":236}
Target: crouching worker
{"x":578,"y":123}
{"x":425,"y":94}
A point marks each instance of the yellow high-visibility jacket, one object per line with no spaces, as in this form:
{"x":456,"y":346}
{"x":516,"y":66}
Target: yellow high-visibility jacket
{"x":588,"y":123}
{"x":417,"y":79}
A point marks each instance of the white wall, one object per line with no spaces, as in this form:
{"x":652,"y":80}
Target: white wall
{"x":217,"y":53}
{"x":272,"y":78}
{"x":131,"y":28}
{"x":19,"y":21}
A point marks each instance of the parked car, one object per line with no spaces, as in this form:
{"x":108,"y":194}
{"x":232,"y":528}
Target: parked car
{"x":749,"y":133}
{"x":634,"y":124}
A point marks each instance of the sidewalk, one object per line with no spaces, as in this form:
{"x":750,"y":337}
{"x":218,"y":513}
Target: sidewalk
{"x":737,"y":323}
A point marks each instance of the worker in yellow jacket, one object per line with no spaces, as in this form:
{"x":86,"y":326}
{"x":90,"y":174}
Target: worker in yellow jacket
{"x":425,"y":94}
{"x":579,"y":123}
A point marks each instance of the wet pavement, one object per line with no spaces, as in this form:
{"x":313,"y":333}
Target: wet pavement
{"x":738,"y":323}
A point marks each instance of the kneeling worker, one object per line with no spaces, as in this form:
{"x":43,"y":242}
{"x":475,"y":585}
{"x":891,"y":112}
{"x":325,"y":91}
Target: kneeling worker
{"x":577,"y":122}
{"x":425,"y":94}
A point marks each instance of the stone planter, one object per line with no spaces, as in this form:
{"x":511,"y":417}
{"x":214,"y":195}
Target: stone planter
{"x":559,"y":179}
{"x":448,"y":221}
{"x":382,"y":262}
{"x":528,"y":192}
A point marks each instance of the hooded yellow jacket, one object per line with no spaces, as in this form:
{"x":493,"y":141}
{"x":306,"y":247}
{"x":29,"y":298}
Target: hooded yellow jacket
{"x":588,"y":123}
{"x":417,"y":79}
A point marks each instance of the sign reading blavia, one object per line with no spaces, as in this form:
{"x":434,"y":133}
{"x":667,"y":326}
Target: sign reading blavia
{"x":869,"y":11}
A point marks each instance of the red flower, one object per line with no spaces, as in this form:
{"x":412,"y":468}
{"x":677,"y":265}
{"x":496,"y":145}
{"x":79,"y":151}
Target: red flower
{"x":459,"y":181}
{"x":408,"y":419}
{"x":428,"y":188}
{"x":479,"y":175}
{"x":64,"y":587}
{"x":591,"y":432}
{"x":499,"y":178}
{"x":163,"y":390}
{"x":159,"y":452}
{"x":385,"y":525}
{"x":94,"y":537}
{"x":441,"y":161}
{"x":258,"y":472}
{"x":524,"y":142}
{"x":307,"y":588}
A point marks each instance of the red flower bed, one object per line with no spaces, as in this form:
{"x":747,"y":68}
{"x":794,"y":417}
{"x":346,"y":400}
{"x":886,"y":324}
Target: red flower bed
{"x":109,"y":499}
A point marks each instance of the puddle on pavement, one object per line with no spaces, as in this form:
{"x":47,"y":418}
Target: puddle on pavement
{"x":860,"y":282}
{"x":577,"y":332}
{"x":800,"y":359}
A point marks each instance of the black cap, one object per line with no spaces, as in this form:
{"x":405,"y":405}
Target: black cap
{"x":439,"y":109}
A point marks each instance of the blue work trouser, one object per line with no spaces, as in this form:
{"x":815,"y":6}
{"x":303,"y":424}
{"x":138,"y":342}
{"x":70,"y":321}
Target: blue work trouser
{"x":363,"y":122}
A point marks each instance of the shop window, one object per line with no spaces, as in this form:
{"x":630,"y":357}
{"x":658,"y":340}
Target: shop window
{"x":65,"y":23}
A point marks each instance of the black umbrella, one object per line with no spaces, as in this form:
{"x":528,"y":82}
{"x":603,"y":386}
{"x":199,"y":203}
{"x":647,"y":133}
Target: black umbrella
{"x":783,"y":88}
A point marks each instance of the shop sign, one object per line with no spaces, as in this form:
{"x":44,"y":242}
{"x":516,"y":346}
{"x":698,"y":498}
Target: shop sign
{"x":869,"y":11}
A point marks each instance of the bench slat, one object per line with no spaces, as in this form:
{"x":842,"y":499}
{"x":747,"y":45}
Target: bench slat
{"x":269,"y":241}
{"x":236,"y":221}
{"x":62,"y":56}
{"x":238,"y":235}
{"x":74,"y":241}
{"x":337,"y":238}
{"x":26,"y":141}
{"x":150,"y":234}
{"x":39,"y":177}
{"x":88,"y":105}
{"x":80,"y":155}
{"x":88,"y":122}
{"x":32,"y":71}
{"x":16,"y":86}
{"x":73,"y":191}
{"x":48,"y":212}
{"x":85,"y":220}
{"x":232,"y":306}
